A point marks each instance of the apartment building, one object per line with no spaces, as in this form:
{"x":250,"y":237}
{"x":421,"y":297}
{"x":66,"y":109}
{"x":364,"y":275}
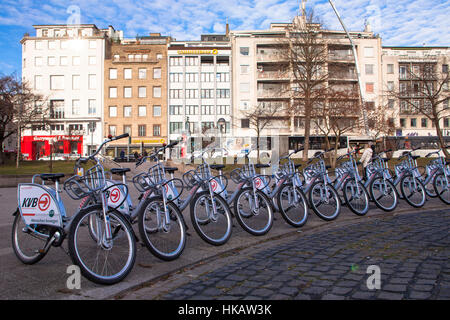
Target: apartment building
{"x":261,"y":77}
{"x":199,"y":88}
{"x":135,"y":94}
{"x":65,"y":63}
{"x":401,"y":66}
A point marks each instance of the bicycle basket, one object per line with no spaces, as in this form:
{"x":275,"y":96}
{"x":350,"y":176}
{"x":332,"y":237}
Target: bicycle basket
{"x":203,"y":172}
{"x":218,"y":184}
{"x":190,"y":178}
{"x":237,"y":176}
{"x":78,"y":187}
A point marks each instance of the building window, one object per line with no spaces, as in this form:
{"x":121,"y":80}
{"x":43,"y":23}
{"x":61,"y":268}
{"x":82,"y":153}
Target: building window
{"x":191,"y":77}
{"x":142,"y":92}
{"x":223,"y":109}
{"x":445,"y":68}
{"x":56,"y":82}
{"x":112,"y":130}
{"x":192,"y":61}
{"x":390,"y":68}
{"x":156,"y":92}
{"x":112,"y":74}
{"x":446,"y":122}
{"x":127,"y":92}
{"x":390,"y":85}
{"x":156,"y":130}
{"x":403,"y":122}
{"x":63,"y":61}
{"x":92,"y":44}
{"x":92,"y":81}
{"x":113,"y":92}
{"x":142,"y":130}
{"x":157,"y":111}
{"x":223,"y":77}
{"x":76,"y":61}
{"x":142,"y":73}
{"x":244,"y":51}
{"x":391,"y":103}
{"x":38,"y":61}
{"x":127,"y":111}
{"x":127,"y":129}
{"x":113,"y":111}
{"x":207,"y":125}
{"x":52,"y":45}
{"x":175,"y":110}
{"x":159,"y":56}
{"x":368,"y":52}
{"x":191,"y":110}
{"x":156,"y":73}
{"x":116,"y":57}
{"x":38,"y":82}
{"x":142,"y":111}
{"x":176,"y":61}
{"x":424,"y":122}
{"x":369,"y":68}
{"x":191,"y":94}
{"x":176,"y":93}
{"x":207,"y":93}
{"x":207,"y":76}
{"x":222,"y":93}
{"x":175,"y":127}
{"x":38,"y":45}
{"x":369,"y":87}
{"x":92,"y":60}
{"x":207,"y":109}
{"x":52,"y":61}
{"x":176,"y":77}
{"x":92,"y":106}
{"x":245,"y":123}
{"x":413,"y":122}
{"x":127,"y":74}
{"x":76,"y":107}
{"x":75,"y":82}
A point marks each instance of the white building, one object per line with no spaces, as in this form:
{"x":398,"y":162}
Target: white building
{"x":199,"y":87}
{"x":65,"y":63}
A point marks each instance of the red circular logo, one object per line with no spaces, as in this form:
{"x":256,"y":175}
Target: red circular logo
{"x":214,"y":185}
{"x":258,"y":182}
{"x":44,"y":202}
{"x":114,"y":195}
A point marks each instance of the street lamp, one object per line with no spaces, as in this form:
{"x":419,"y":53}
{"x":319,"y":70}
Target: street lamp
{"x":221,"y":123}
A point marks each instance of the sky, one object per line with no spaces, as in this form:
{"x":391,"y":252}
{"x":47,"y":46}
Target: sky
{"x":399,"y":22}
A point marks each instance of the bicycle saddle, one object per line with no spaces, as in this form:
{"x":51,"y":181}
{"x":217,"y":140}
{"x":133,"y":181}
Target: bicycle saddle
{"x":51,"y":176}
{"x":298,"y":165}
{"x":119,"y":171}
{"x":415,"y":157}
{"x":261,"y":165}
{"x":217,"y":166}
{"x":170,"y":170}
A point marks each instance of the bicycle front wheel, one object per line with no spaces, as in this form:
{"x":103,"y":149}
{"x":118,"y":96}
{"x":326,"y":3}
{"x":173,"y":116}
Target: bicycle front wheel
{"x":383,"y":194}
{"x":294,"y":212}
{"x":211,"y":218}
{"x":356,"y":197}
{"x":253,"y":211}
{"x":413,"y":191}
{"x":165,"y":240}
{"x":109,"y":258}
{"x":27,"y":241}
{"x":324,"y":201}
{"x":442,"y":187}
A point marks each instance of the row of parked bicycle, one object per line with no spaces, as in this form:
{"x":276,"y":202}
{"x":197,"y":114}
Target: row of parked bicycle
{"x":102,"y":242}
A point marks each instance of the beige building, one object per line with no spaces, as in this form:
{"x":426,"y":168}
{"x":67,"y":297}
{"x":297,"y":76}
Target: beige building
{"x":260,"y":78}
{"x":136,"y":94}
{"x":398,"y":64}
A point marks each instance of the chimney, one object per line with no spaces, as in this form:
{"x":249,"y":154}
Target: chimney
{"x":227,"y":28}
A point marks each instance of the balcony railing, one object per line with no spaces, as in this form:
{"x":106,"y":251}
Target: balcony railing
{"x":342,"y":76}
{"x":340,"y":57}
{"x":277,"y":75}
{"x":270,"y":57}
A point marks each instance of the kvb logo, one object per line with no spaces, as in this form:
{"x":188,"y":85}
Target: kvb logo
{"x":214,"y":185}
{"x":114,"y":195}
{"x":44,"y":202}
{"x":258,"y":183}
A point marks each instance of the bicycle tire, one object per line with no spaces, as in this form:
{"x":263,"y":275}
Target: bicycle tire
{"x":376,"y":199}
{"x":349,"y":202}
{"x":438,"y":182}
{"x":19,"y":249}
{"x":200,"y":227}
{"x":148,"y":234}
{"x":244,"y":218}
{"x":121,"y":224}
{"x":284,"y":211}
{"x":408,"y":197}
{"x":314,"y":206}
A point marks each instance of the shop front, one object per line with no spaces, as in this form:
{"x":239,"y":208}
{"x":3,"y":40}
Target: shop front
{"x":61,"y":146}
{"x":136,"y":148}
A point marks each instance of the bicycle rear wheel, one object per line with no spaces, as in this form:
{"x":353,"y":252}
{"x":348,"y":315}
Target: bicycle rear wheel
{"x":442,"y":187}
{"x":27,"y":241}
{"x":294,"y":212}
{"x":383,"y":194}
{"x":214,"y":227}
{"x":356,"y":197}
{"x":105,"y":261}
{"x":413,"y":191}
{"x":324,"y":201}
{"x":165,"y":241}
{"x":255,"y":220}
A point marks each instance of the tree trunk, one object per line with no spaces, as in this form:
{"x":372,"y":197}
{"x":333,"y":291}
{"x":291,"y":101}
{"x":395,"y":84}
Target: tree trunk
{"x":19,"y":131}
{"x":307,"y":131}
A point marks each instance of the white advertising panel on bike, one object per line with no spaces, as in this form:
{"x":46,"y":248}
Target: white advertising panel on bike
{"x":38,"y":206}
{"x":117,"y":197}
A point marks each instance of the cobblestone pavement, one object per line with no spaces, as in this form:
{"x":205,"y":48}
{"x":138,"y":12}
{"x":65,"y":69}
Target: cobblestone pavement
{"x":412,"y":251}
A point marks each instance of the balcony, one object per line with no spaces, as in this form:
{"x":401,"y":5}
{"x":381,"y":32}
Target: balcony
{"x":344,"y":76}
{"x":341,"y":57}
{"x":273,"y":94}
{"x":274,"y":75}
{"x":272,"y":57}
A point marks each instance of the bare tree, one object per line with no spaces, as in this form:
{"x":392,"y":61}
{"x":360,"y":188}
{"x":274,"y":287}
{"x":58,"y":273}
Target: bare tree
{"x":337,"y":115}
{"x":306,"y":51}
{"x":259,"y":118}
{"x":20,"y":108}
{"x":380,"y":122}
{"x":423,"y":90}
